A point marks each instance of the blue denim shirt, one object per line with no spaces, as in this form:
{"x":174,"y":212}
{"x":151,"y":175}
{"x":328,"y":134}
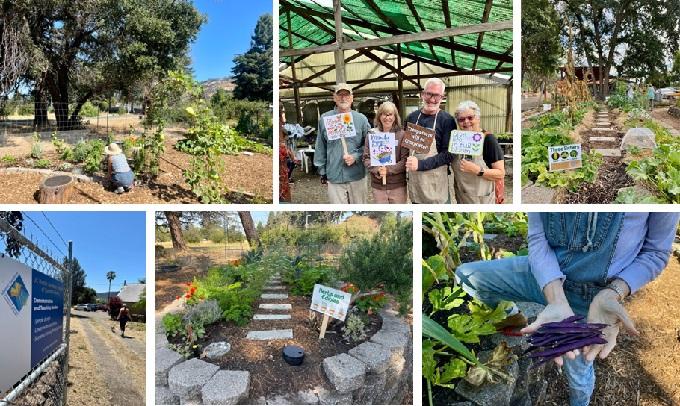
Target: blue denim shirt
{"x":639,"y":255}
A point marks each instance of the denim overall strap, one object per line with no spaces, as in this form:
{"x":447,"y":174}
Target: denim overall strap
{"x":584,"y":244}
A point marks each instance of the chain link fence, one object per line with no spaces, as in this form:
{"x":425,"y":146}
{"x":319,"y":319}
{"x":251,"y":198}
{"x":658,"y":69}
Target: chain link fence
{"x":46,"y":384}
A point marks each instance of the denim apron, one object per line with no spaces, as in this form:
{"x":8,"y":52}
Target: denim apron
{"x":584,"y":245}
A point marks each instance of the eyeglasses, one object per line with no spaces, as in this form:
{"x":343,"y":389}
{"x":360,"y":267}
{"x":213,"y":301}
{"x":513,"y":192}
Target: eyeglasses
{"x":468,"y":118}
{"x":434,"y":96}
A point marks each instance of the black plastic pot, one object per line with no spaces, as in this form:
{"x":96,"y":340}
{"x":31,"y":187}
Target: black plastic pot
{"x":293,"y":355}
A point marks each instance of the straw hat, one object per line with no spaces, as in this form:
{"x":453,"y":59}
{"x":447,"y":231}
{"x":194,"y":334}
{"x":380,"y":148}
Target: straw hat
{"x":113,"y":149}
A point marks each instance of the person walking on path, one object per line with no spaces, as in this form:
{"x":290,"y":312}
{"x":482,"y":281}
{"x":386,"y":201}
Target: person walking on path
{"x":123,"y":318}
{"x":428,"y":173}
{"x":339,"y":160}
{"x":651,"y":95}
{"x":578,"y":263}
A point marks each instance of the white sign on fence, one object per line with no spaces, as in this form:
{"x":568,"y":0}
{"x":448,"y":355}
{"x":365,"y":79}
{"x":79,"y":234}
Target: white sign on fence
{"x":561,"y":157}
{"x":31,"y":320}
{"x":331,"y":302}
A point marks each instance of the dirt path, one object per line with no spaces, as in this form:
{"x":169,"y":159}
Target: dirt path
{"x":123,"y":368}
{"x":611,"y":175}
{"x":661,"y":114}
{"x":640,"y":370}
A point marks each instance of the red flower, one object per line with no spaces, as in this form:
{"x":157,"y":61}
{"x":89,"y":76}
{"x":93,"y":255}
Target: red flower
{"x":177,"y":297}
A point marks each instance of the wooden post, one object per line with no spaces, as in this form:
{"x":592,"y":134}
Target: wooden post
{"x":56,"y":189}
{"x":324,"y":325}
{"x":296,"y":88}
{"x":344,"y":145}
{"x":400,"y":87}
{"x":338,"y":53}
{"x":508,"y":109}
{"x":384,"y":179}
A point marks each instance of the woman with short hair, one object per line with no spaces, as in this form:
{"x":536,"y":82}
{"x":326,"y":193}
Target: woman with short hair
{"x":394,"y":190}
{"x":476,"y":177}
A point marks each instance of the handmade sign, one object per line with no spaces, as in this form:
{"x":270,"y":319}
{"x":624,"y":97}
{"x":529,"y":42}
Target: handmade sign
{"x":418,"y":139}
{"x":466,"y":142}
{"x":547,"y":107}
{"x":330,"y":302}
{"x":383,"y":150}
{"x":561,"y":157}
{"x":340,"y":126}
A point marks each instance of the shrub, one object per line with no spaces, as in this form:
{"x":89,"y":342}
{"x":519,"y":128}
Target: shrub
{"x":42,"y":163}
{"x":203,"y":313}
{"x":172,"y":324}
{"x":303,"y":283}
{"x":9,"y":159}
{"x":36,"y":148}
{"x":193,"y":235}
{"x":89,"y":110}
{"x":114,"y":306}
{"x":215,"y":234}
{"x":354,"y":328}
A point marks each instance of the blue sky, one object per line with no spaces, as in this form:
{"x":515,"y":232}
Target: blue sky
{"x":102,"y":242}
{"x":226,"y":34}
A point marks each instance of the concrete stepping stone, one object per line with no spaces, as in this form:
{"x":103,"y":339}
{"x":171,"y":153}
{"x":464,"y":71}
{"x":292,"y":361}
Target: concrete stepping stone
{"x":271,"y":317}
{"x":615,"y":153}
{"x":604,"y":124}
{"x":603,"y":130}
{"x":604,"y":139}
{"x":275,"y":287}
{"x":276,"y":306}
{"x":271,"y":296}
{"x":226,"y":388}
{"x":270,"y":335}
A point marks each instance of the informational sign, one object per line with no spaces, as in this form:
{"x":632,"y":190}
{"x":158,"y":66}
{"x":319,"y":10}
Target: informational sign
{"x":339,"y":126}
{"x":418,"y":139}
{"x":547,"y":107}
{"x":330,"y":302}
{"x":466,"y":142}
{"x":561,"y":157}
{"x":383,"y":148}
{"x":31,"y":320}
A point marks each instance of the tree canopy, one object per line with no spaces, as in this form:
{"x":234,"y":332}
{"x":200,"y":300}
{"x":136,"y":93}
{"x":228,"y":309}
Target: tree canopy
{"x":252,"y":71}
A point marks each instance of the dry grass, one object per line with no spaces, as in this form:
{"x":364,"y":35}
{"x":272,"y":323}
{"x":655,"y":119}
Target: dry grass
{"x":86,"y":386}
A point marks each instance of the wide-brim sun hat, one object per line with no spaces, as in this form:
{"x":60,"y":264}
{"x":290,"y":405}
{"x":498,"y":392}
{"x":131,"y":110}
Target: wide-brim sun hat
{"x":113,"y":149}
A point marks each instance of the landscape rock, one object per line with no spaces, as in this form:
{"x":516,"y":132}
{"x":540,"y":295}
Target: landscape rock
{"x":642,"y":138}
{"x":530,"y":309}
{"x":344,"y":372}
{"x":497,"y":394}
{"x":161,"y":340}
{"x":538,"y":194}
{"x":307,"y":397}
{"x":327,"y":397}
{"x":187,"y":379}
{"x":216,"y":350}
{"x":226,"y":388}
{"x":375,"y":356}
{"x":279,"y":400}
{"x":394,"y":341}
{"x":165,"y":360}
{"x":165,"y":397}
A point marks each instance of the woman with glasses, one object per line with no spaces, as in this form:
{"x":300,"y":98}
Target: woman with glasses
{"x":477,"y":178}
{"x":428,"y":174}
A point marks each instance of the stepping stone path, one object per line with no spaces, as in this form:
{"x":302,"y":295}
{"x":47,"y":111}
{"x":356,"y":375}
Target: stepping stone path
{"x":608,"y":141}
{"x":274,"y":285}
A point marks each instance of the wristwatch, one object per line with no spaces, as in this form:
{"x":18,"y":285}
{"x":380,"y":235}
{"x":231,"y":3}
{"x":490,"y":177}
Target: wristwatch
{"x":481,"y":172}
{"x":616,"y":289}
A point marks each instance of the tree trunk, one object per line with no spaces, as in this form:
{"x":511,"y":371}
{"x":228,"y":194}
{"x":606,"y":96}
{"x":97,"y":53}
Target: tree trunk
{"x":40,"y":109}
{"x":56,"y":190}
{"x":178,"y":242}
{"x":249,"y":228}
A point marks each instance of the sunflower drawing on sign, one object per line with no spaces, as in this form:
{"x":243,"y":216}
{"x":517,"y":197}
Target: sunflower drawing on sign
{"x":339,"y":126}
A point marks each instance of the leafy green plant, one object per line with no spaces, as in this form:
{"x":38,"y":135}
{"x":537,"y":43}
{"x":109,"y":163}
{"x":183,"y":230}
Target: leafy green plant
{"x":434,"y":271}
{"x":371,"y":303}
{"x":172,"y":324}
{"x":36,"y":148}
{"x":42,"y":163}
{"x":446,"y":298}
{"x":9,"y":159}
{"x":355,"y":328}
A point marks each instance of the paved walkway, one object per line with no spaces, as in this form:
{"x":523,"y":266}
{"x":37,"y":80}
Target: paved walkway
{"x":274,"y":309}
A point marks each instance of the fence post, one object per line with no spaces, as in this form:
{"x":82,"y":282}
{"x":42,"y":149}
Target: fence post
{"x":67,"y":339}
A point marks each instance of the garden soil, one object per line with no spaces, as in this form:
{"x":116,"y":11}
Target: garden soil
{"x":270,"y":375}
{"x":640,"y":370}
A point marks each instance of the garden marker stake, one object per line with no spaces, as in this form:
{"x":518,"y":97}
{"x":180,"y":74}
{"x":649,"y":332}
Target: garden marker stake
{"x":324,"y":324}
{"x":344,"y":145}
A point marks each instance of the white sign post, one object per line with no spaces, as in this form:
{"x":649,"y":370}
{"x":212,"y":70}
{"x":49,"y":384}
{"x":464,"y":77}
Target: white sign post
{"x":562,"y":157}
{"x":331,"y":303}
{"x":466,"y":142}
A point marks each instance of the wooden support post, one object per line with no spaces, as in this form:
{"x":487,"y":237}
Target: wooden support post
{"x":400,"y":88}
{"x":339,"y":53}
{"x":324,"y":325}
{"x":508,"y":109}
{"x":296,"y":88}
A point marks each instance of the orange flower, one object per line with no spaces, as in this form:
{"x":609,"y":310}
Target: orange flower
{"x":347,"y":118}
{"x":177,"y":298}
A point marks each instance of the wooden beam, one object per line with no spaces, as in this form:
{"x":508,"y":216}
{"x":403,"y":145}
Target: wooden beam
{"x":414,"y":37}
{"x":339,"y":52}
{"x":384,"y":75}
{"x":374,"y":58}
{"x":480,"y":38}
{"x":330,"y":68}
{"x":415,"y":14}
{"x":447,"y":22}
{"x":390,"y":31}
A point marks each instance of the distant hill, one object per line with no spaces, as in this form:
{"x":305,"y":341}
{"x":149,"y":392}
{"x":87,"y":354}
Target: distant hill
{"x":211,"y":86}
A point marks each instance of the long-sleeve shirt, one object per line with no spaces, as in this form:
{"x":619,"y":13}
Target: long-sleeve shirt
{"x":641,"y":253}
{"x":328,"y":153}
{"x":396,"y":174}
{"x":445,"y":124}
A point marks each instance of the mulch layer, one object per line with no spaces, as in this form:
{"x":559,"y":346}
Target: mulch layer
{"x":247,"y":177}
{"x":270,"y":375}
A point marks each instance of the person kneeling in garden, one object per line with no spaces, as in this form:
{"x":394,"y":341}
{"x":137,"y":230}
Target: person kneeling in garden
{"x":119,"y":173}
{"x":583,"y":263}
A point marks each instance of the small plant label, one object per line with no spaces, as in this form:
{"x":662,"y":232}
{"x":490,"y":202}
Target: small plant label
{"x":383,"y":148}
{"x":547,"y":107}
{"x":339,"y":126}
{"x":466,"y":143}
{"x":562,"y":157}
{"x":418,"y":139}
{"x":330,"y":302}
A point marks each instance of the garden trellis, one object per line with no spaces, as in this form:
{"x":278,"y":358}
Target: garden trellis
{"x":53,"y":367}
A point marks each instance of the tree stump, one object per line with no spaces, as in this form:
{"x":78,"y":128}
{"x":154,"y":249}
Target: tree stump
{"x":56,"y":189}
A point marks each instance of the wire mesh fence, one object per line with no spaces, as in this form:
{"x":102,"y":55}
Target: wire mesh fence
{"x":46,"y":383}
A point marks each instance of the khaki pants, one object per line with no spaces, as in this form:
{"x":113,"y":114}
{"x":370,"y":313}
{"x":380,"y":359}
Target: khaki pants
{"x":351,"y":192}
{"x":391,"y":196}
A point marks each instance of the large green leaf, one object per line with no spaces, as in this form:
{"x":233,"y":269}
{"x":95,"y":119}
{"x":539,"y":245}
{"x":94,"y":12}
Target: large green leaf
{"x":433,"y":330}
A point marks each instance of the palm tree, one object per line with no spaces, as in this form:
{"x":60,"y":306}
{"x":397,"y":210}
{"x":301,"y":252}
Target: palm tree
{"x":110,"y":275}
